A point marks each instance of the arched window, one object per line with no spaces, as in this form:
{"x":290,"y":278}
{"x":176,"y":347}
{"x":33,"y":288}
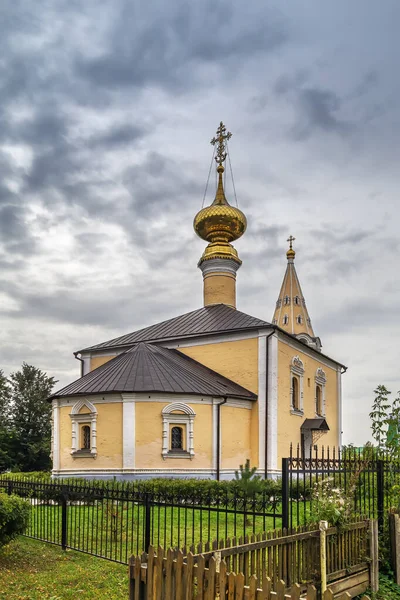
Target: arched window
{"x":318,"y":400}
{"x":176,"y":438}
{"x":296,"y":385}
{"x":297,"y":300}
{"x":286,"y":300}
{"x":85,"y":433}
{"x":299,"y":319}
{"x":178,"y":426}
{"x":274,"y":321}
{"x":84,"y":429}
{"x":295,"y":394}
{"x":320,"y":389}
{"x":285,"y":320}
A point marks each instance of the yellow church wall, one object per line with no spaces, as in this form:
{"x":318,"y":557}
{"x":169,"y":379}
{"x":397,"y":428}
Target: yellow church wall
{"x":109,"y":439}
{"x":149,"y":438}
{"x":97,"y":361}
{"x":220,"y":288}
{"x":237,"y":361}
{"x":235,"y":436}
{"x":289,"y":424}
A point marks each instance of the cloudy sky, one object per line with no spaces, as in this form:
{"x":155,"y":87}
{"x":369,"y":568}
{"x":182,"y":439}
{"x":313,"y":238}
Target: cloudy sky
{"x":107,"y":108}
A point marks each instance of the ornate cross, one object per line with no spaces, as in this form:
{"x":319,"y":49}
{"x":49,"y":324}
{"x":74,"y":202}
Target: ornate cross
{"x":290,"y":240}
{"x":221,"y":138}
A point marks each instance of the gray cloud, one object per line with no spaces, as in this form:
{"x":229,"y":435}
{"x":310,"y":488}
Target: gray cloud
{"x":106,"y":114}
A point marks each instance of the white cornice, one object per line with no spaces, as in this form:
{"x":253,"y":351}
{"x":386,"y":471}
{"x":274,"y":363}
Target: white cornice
{"x":300,"y":347}
{"x":153,"y":397}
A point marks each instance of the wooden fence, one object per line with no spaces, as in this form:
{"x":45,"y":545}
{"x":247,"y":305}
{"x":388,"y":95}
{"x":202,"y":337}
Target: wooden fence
{"x":170,"y":578}
{"x":394,"y":530}
{"x":261,"y":567}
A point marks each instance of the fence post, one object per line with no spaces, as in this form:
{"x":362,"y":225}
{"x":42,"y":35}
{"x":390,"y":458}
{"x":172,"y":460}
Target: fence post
{"x":64,"y":504}
{"x":380,"y":492}
{"x":374,"y":555}
{"x":147,"y":522}
{"x":9,"y":488}
{"x":285,"y":493}
{"x":323,"y":526}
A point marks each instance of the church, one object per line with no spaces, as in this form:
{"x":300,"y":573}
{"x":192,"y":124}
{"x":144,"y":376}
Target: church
{"x":201,"y":393}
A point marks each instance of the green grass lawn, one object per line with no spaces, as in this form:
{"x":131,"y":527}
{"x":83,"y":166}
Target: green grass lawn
{"x":33,"y":570}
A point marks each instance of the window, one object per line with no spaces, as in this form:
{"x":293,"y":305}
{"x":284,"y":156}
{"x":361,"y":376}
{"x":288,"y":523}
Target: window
{"x":299,"y":319}
{"x":85,"y":436}
{"x":296,"y":300}
{"x":177,"y":434}
{"x":278,"y":303}
{"x":286,"y":300}
{"x":176,"y":438}
{"x":320,"y":384}
{"x":285,"y":320}
{"x":274,"y":321}
{"x":84,"y":429}
{"x":296,"y":385}
{"x":295,"y":394}
{"x":318,"y":400}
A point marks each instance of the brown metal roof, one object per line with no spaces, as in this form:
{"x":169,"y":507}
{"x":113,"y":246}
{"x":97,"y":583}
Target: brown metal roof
{"x":150,"y":368}
{"x":210,"y":319}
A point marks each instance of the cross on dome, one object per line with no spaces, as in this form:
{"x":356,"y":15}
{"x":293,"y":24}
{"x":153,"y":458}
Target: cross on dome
{"x":221,"y":138}
{"x":290,"y":240}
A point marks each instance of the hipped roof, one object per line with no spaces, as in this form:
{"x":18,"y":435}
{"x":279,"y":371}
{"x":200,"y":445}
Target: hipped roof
{"x":213,"y":319}
{"x":149,"y":368}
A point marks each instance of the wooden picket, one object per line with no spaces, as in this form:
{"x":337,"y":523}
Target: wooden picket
{"x":175,"y":577}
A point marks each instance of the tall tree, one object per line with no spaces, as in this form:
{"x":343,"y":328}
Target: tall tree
{"x":30,"y":417}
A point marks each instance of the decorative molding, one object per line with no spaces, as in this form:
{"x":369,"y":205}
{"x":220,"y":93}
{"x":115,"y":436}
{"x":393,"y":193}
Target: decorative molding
{"x":320,"y":380}
{"x":297,"y":370}
{"x":219,"y":265}
{"x":320,"y":376}
{"x":297,"y":365}
{"x":77,"y":407}
{"x":169,"y":417}
{"x":330,"y":363}
{"x":77,"y":418}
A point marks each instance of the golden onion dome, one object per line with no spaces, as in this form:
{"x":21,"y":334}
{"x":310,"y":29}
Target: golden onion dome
{"x":220,"y":222}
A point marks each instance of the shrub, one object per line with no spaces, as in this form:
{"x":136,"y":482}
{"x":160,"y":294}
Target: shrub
{"x":14,"y":514}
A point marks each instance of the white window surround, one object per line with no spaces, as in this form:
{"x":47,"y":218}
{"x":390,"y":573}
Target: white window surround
{"x":170,"y":417}
{"x":89,"y":418}
{"x":320,"y":379}
{"x":297,"y":370}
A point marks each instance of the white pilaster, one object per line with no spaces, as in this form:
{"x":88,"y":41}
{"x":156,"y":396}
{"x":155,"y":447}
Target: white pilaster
{"x":128,"y":433}
{"x":272,"y":408}
{"x":56,"y":435}
{"x":262,"y":393}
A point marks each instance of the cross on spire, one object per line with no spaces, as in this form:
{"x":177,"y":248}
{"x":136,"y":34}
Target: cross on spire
{"x":290,"y":240}
{"x":221,"y":138}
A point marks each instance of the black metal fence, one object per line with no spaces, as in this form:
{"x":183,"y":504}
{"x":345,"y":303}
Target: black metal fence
{"x":114,"y":520}
{"x":366,"y":476}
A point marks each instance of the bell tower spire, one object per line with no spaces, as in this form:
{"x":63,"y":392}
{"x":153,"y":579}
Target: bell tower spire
{"x":291,"y":313}
{"x":220,"y":224}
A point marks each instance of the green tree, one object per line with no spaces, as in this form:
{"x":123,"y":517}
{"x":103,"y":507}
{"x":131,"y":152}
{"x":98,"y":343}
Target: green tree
{"x":379,"y":416}
{"x":30,"y":418}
